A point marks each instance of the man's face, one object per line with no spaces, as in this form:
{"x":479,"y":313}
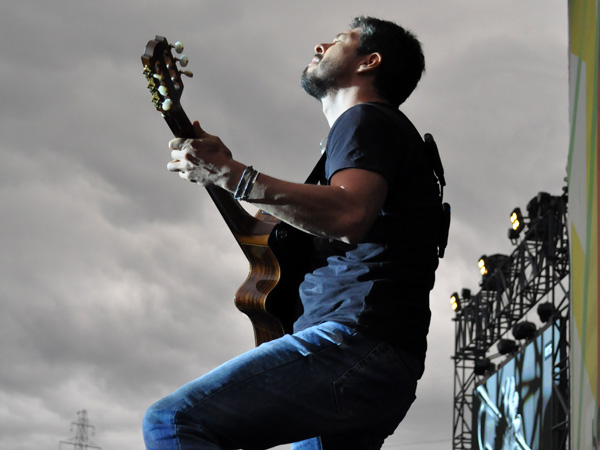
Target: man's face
{"x":332,"y":64}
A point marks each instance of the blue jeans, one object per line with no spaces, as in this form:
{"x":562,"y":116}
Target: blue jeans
{"x":327,"y":387}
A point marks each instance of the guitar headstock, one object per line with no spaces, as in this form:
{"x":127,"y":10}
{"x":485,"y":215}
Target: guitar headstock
{"x":165,"y":82}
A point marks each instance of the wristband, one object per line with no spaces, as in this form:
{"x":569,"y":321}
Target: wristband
{"x":246,"y":183}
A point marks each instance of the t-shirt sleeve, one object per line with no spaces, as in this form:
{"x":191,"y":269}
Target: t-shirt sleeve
{"x":362,"y":138}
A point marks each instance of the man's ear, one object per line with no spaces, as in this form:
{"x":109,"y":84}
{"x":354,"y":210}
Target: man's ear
{"x":371,"y":62}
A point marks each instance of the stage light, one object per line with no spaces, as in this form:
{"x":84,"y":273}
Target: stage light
{"x":482,"y":266}
{"x":524,"y":330}
{"x":483,"y":366}
{"x":516,"y":219}
{"x":546,"y":311}
{"x":455,"y":302}
{"x":506,"y":346}
{"x":539,"y":205}
{"x":538,"y":210}
{"x":518,"y":223}
{"x":488,"y":265}
{"x":513,"y":235}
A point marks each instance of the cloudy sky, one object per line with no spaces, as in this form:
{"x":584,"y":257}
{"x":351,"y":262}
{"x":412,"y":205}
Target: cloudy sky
{"x":117,"y":277}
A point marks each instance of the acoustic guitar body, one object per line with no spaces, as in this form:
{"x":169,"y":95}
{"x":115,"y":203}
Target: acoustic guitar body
{"x":269,"y":296}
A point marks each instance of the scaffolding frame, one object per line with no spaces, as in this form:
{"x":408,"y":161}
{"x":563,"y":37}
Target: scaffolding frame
{"x":537,"y":271}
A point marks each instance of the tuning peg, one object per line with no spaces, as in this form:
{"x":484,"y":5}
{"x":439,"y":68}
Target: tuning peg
{"x":187,"y":73}
{"x":162,"y":90}
{"x":166,"y":105}
{"x":183,"y":60}
{"x":178,"y":46}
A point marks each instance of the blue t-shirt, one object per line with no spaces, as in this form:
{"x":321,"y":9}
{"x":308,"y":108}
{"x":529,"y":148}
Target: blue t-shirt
{"x":380,"y":285}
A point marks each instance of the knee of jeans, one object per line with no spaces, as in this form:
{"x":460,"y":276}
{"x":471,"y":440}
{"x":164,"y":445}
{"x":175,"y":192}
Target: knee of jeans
{"x":157,"y":425}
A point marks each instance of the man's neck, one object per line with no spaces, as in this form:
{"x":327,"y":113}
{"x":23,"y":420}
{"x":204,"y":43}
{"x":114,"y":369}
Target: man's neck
{"x":339,"y":101}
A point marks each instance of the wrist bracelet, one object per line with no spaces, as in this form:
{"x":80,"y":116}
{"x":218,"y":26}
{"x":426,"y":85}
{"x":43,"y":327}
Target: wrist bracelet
{"x":246,"y":183}
{"x":250,"y":185}
{"x":246,"y":175}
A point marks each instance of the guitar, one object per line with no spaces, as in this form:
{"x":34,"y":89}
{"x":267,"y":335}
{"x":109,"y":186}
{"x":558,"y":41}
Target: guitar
{"x":276,"y":252}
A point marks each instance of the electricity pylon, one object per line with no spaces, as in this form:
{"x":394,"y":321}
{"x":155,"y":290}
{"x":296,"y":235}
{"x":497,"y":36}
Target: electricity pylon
{"x":82,"y":427}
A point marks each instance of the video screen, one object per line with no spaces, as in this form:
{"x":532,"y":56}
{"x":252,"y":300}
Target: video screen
{"x":513,"y":407}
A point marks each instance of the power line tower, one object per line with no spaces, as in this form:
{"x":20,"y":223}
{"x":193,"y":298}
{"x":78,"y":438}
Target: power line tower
{"x":82,"y":427}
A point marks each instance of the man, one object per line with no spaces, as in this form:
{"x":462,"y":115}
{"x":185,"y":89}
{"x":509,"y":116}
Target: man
{"x":347,"y":376}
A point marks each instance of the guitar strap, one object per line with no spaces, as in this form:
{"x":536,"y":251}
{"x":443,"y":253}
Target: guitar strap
{"x":433,"y":155}
{"x":317,"y":176}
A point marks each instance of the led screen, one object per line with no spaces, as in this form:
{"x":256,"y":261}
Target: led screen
{"x":513,"y":408}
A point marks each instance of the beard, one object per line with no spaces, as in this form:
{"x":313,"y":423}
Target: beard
{"x":319,"y":86}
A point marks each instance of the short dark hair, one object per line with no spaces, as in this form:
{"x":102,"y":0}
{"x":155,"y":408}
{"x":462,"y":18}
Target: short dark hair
{"x":402,"y":62}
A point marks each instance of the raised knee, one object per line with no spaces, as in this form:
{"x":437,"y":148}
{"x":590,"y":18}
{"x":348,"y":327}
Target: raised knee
{"x":161,"y":432}
{"x":158,"y":427}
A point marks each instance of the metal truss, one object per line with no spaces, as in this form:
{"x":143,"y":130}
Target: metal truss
{"x":536,"y":272}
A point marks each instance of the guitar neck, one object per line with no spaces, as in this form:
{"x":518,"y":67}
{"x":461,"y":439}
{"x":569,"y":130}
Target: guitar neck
{"x":239,"y":221}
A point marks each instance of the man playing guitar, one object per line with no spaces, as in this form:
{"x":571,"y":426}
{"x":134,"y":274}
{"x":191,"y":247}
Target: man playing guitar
{"x":347,"y":374}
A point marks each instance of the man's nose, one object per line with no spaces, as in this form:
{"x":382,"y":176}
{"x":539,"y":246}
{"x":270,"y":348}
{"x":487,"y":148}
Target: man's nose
{"x":322,"y":48}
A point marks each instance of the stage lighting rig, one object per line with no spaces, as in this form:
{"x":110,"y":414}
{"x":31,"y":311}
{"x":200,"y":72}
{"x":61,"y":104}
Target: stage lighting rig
{"x":493,"y":325}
